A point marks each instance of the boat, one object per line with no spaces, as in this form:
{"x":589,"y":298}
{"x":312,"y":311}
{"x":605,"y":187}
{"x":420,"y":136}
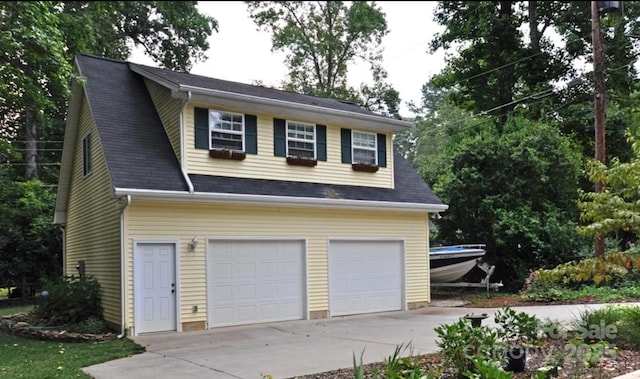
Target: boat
{"x":449,"y":264}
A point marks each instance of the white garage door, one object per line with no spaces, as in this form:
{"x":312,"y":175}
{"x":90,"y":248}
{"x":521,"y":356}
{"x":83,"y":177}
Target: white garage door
{"x":365,"y":277}
{"x":255,"y":281}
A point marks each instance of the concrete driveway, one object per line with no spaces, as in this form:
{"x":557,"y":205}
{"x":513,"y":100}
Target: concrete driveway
{"x":294,"y":348}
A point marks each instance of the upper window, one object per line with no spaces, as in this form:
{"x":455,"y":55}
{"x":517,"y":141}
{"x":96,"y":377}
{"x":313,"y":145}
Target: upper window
{"x":364,"y":147}
{"x":86,"y":155}
{"x":227,"y":130}
{"x":301,"y":139}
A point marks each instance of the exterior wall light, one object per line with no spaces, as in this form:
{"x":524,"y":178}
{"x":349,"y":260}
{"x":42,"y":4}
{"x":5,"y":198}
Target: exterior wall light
{"x":193,"y":244}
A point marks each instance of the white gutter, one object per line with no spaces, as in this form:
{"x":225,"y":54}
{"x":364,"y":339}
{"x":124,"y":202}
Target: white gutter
{"x":123,"y":301}
{"x":182,"y":154}
{"x":284,"y":201}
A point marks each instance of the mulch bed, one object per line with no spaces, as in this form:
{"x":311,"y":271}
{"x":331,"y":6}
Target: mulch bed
{"x":623,"y":362}
{"x":18,"y":325}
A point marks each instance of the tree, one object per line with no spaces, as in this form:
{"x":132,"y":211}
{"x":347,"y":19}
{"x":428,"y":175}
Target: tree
{"x":617,"y":208}
{"x":516,"y":191}
{"x":34,"y":72}
{"x":173,"y":33}
{"x":493,"y":65}
{"x":321,"y":39}
{"x":30,"y":245}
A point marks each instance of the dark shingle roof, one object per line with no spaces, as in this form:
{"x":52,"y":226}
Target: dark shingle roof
{"x":409,"y":187}
{"x":136,"y":147}
{"x":181,"y":78}
{"x":139,"y":155}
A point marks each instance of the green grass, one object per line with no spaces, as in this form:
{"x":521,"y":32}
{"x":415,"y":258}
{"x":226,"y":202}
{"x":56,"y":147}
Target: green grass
{"x":15,"y":309}
{"x":27,"y":358}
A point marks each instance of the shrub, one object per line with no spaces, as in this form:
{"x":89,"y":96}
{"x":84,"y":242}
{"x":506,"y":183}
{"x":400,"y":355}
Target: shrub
{"x":92,"y":325}
{"x":69,"y":300}
{"x":519,"y":327}
{"x":461,"y":343}
{"x":613,"y":266}
{"x":616,"y":324}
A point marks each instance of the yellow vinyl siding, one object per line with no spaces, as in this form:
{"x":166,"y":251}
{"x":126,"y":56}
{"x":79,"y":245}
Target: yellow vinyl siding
{"x":168,"y":109}
{"x":265,"y":165}
{"x":93,"y":228}
{"x":162,"y":221}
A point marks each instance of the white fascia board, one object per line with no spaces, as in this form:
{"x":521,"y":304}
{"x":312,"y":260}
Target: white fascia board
{"x":277,"y":201}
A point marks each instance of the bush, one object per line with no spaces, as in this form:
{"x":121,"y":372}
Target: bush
{"x":616,"y":324}
{"x":90,"y":326}
{"x":461,"y":343}
{"x":69,"y":300}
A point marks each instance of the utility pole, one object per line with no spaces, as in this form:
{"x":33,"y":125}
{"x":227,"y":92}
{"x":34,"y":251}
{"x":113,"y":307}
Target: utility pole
{"x":599,"y":104}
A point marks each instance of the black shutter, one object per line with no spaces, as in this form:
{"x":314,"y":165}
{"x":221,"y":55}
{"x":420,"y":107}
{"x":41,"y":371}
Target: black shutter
{"x":279,"y":137}
{"x":202,"y":128}
{"x":345,"y":142}
{"x":382,"y":150}
{"x":250,"y":134}
{"x":321,"y":142}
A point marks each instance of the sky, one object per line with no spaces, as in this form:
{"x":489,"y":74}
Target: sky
{"x":247,"y":57}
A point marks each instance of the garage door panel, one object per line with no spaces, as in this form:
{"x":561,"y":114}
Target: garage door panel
{"x":263,"y":281}
{"x":365,"y":277}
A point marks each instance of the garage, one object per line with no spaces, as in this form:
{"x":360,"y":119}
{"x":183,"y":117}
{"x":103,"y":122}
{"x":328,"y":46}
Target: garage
{"x":255,"y":281}
{"x":365,"y":277}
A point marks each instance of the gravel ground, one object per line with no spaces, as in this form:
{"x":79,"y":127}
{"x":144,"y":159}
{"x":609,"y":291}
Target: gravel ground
{"x":618,"y":363}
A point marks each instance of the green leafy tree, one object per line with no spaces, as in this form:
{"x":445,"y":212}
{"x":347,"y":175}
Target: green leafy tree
{"x":490,"y":67}
{"x":617,"y":208}
{"x":30,"y":245}
{"x":34,"y":73}
{"x":516,"y":192}
{"x":173,"y":33}
{"x":321,"y":39}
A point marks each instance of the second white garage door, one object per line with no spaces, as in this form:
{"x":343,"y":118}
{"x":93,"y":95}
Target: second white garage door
{"x":365,"y":277}
{"x":255,"y":281}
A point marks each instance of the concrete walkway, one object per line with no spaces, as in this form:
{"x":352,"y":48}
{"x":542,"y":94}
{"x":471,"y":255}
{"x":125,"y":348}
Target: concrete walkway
{"x":294,"y":348}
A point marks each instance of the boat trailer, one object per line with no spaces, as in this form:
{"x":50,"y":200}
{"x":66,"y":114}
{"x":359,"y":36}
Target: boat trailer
{"x":484,"y":283}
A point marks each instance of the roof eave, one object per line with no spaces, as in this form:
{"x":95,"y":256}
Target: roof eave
{"x":278,"y":201}
{"x":66,"y":162}
{"x":285,"y":108}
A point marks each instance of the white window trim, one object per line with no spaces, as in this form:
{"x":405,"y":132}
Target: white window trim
{"x":353,"y":146}
{"x":212,"y":128}
{"x":87,"y":164}
{"x":314,"y":141}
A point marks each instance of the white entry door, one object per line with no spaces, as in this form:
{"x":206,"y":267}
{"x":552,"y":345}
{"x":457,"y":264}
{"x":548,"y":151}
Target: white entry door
{"x":255,"y":281}
{"x":365,"y":277}
{"x":155,"y":287}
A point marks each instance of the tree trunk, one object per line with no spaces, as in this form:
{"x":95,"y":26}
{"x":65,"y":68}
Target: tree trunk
{"x":31,"y":145}
{"x":599,"y":105}
{"x":505,"y":88}
{"x":534,"y":36}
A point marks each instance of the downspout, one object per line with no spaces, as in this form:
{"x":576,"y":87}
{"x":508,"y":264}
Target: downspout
{"x":182,"y":154}
{"x":63,"y":233}
{"x":123,"y":301}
